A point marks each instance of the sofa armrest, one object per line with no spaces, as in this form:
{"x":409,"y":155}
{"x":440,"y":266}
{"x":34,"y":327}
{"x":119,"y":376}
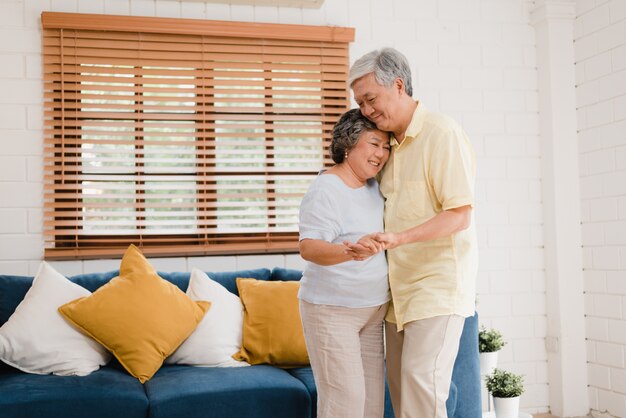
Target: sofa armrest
{"x":466,"y":402}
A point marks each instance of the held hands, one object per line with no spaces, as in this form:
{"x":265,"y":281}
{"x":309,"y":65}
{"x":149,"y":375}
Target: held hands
{"x":364,"y":248}
{"x":368,"y":245}
{"x":389,"y":240}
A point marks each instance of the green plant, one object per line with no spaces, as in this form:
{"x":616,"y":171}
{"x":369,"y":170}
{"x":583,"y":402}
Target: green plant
{"x":503,"y":384}
{"x":489,"y":340}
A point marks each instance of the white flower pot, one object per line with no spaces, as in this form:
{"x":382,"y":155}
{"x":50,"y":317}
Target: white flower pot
{"x":506,"y":407}
{"x":488,"y":362}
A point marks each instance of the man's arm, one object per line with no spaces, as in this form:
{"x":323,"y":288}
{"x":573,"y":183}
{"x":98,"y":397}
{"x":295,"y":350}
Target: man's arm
{"x":443,"y":224}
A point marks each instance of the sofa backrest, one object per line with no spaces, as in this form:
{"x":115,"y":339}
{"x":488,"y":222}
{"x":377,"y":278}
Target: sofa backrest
{"x":287,"y":275}
{"x":14,"y":288}
{"x":228,"y":279}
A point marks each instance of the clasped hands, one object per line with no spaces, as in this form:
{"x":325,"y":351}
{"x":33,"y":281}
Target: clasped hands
{"x":371,"y":244}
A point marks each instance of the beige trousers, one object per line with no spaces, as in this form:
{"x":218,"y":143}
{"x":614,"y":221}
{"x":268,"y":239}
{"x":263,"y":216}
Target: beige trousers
{"x":420,"y":360}
{"x":345,"y":346}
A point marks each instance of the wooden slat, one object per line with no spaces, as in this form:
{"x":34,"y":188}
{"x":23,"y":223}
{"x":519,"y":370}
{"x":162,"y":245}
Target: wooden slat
{"x":117,"y":251}
{"x":53,"y":91}
{"x":51,"y":35}
{"x":97,"y":22}
{"x":180,"y":138}
{"x":198,"y":78}
{"x":224,"y":171}
{"x":72,"y":65}
{"x":217,"y":123}
{"x":253,"y":51}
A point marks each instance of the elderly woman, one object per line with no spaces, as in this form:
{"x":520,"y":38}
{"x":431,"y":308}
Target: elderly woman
{"x":343,"y":297}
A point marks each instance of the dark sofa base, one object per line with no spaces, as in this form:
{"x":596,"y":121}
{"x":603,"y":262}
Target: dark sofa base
{"x":174,"y":392}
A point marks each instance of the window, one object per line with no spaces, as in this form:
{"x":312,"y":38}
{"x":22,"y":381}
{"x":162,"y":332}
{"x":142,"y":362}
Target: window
{"x":185,"y":137}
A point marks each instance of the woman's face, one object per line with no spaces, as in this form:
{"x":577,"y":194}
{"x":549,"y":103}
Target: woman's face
{"x":370,"y":154}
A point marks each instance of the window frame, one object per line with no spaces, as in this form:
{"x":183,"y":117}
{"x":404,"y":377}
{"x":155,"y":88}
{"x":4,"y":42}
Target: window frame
{"x":71,"y":242}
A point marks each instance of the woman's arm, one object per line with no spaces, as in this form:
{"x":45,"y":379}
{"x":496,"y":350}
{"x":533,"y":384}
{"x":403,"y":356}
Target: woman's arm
{"x":326,"y":254}
{"x":322,"y":252}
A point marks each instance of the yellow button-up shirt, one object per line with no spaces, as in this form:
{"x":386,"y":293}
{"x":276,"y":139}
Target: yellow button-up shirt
{"x":432,"y":170}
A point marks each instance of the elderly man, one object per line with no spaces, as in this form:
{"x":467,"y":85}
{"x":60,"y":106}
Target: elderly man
{"x":428,"y":185}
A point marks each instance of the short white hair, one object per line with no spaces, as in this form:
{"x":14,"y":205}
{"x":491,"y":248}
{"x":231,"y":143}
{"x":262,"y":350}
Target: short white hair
{"x":387,"y":64}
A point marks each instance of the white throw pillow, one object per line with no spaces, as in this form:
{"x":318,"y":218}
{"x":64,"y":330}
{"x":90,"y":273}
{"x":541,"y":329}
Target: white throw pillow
{"x":218,"y":336}
{"x":36,"y":338}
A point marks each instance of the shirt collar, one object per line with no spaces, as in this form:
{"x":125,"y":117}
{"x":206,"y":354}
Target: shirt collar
{"x":415,"y":126}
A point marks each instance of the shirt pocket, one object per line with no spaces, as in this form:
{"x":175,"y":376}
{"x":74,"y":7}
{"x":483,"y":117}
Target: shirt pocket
{"x":413,"y":200}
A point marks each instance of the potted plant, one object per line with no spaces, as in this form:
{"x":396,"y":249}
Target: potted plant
{"x":489,"y":343}
{"x":506,"y":388}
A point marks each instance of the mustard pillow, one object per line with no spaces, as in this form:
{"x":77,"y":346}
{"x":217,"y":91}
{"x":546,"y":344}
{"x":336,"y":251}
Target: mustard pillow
{"x":138,"y":316}
{"x":272,"y":329}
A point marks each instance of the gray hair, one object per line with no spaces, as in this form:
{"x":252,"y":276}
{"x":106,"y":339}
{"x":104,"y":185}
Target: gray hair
{"x":346,"y":133}
{"x":387,"y":64}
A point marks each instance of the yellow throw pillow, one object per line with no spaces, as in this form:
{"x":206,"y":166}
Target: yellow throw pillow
{"x":272,"y":329}
{"x":138,"y":316}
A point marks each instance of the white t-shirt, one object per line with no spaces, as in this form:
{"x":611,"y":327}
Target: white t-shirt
{"x":333,"y":212}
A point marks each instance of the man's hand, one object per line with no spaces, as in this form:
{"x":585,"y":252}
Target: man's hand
{"x":389,"y":240}
{"x":364,"y":248}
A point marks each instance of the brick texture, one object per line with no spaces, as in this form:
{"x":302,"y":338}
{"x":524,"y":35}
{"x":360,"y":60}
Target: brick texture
{"x":601,"y":100}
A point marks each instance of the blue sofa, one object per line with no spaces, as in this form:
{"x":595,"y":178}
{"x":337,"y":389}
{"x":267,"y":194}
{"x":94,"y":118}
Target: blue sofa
{"x":185,"y":391}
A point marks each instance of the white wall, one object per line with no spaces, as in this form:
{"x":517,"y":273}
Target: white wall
{"x":600,"y":46}
{"x":473,"y":59}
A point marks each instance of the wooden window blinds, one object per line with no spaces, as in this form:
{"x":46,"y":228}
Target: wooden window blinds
{"x":184,"y":137}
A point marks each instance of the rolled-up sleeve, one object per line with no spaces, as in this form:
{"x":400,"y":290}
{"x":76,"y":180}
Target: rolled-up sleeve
{"x":318,"y":219}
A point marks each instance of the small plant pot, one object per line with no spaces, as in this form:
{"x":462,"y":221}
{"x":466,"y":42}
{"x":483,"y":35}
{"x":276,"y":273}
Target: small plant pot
{"x":506,"y":407}
{"x":488,"y":362}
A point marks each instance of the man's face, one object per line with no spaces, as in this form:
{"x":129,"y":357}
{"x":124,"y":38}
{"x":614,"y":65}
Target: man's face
{"x":377,"y":103}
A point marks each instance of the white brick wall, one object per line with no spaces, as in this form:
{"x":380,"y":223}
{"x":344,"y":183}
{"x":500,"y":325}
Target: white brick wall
{"x":600,"y":45}
{"x":472,"y":59}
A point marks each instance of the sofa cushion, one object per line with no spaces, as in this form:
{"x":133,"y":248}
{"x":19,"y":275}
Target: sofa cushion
{"x":272,"y":328}
{"x":106,"y":393}
{"x":137,"y":316}
{"x":242,"y":392}
{"x":218,"y":336}
{"x":36,"y":339}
